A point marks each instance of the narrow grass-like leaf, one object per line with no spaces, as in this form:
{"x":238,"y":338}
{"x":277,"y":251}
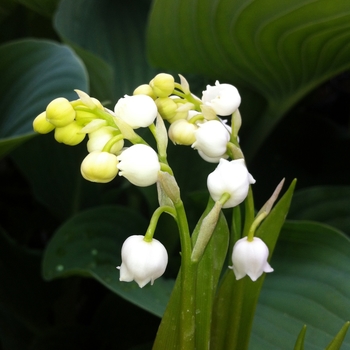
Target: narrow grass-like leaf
{"x":208,"y":273}
{"x":299,"y":345}
{"x":337,"y":342}
{"x":236,"y":300}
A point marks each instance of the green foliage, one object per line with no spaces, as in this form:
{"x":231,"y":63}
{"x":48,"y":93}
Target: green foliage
{"x":327,"y":204}
{"x":208,"y":273}
{"x":236,"y":300}
{"x":113,"y":32}
{"x":276,"y":53}
{"x":312,"y":290}
{"x":281,"y":50}
{"x":89,"y":245}
{"x":32,"y":74}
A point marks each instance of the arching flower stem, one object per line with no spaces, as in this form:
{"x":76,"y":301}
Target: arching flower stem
{"x":154,"y":220}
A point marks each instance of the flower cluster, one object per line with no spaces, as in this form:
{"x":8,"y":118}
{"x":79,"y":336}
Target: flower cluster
{"x":193,"y":121}
{"x":107,"y":156}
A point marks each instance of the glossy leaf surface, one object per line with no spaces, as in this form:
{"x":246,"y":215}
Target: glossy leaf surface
{"x":281,"y":50}
{"x":90,"y":244}
{"x":33,"y":72}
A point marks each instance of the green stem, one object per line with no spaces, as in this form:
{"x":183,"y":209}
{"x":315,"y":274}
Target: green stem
{"x":188,"y":282}
{"x":107,"y":147}
{"x":165,"y":167}
{"x":249,"y":212}
{"x":154,"y":221}
{"x":255,"y":225}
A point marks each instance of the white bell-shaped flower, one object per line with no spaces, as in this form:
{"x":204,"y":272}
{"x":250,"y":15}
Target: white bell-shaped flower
{"x":224,"y":99}
{"x":139,"y":164}
{"x":138,"y":110}
{"x":230,"y":177}
{"x":250,"y":258}
{"x":142,"y":261}
{"x":211,"y":138}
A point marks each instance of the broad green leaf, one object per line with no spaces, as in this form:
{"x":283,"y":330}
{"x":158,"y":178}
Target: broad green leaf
{"x":310,"y":285}
{"x":33,"y":72}
{"x":100,"y":75}
{"x":281,"y":50}
{"x":115,"y":32}
{"x":90,"y":244}
{"x":327,"y":204}
{"x":44,"y":7}
{"x":236,"y":300}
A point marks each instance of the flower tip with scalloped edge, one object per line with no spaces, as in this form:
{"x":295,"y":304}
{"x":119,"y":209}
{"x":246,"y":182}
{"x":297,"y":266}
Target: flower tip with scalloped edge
{"x":250,"y":258}
{"x":142,"y":261}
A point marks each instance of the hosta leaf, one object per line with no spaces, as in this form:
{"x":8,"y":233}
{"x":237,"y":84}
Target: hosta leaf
{"x":33,"y":72}
{"x":90,"y":244}
{"x":112,"y":30}
{"x":310,"y":285}
{"x":327,"y":204}
{"x":279,"y":49}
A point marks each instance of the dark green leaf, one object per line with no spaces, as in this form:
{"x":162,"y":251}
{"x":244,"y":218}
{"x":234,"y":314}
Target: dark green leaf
{"x":327,"y":204}
{"x":280,"y":49}
{"x":115,"y":32}
{"x":90,"y":244}
{"x":208,"y":273}
{"x":32,"y":74}
{"x":236,"y":300}
{"x":310,"y":285}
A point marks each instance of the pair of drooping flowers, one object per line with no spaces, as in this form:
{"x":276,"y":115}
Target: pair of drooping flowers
{"x":194,"y":122}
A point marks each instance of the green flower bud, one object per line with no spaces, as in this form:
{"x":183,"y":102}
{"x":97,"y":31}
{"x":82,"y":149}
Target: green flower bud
{"x":182,"y":132}
{"x":145,"y":89}
{"x":99,"y":167}
{"x":70,"y":134}
{"x":163,"y":84}
{"x":41,"y":125}
{"x":60,"y":112}
{"x":166,"y":107}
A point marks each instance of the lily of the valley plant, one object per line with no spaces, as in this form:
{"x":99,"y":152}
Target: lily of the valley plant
{"x":222,"y":269}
